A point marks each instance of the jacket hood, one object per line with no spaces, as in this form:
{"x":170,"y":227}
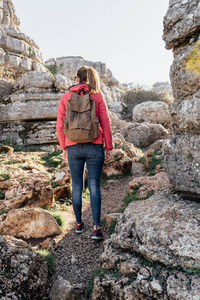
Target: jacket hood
{"x":79,"y":87}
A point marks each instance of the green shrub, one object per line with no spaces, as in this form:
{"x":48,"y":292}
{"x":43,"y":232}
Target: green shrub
{"x":50,"y":258}
{"x":136,"y":96}
{"x":60,"y":219}
{"x":51,"y":159}
{"x":5,"y":176}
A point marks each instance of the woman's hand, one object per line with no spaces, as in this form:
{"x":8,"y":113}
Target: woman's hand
{"x":108,"y":155}
{"x":65,"y":154}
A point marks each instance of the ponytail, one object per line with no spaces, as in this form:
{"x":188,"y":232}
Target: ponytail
{"x":93,"y":80}
{"x":89,"y":75}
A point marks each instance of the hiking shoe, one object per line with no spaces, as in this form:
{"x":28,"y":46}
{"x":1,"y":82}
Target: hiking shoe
{"x":97,"y":235}
{"x":79,"y":228}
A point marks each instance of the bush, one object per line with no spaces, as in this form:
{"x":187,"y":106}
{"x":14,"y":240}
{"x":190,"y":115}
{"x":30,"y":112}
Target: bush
{"x":50,"y":258}
{"x":136,"y":96}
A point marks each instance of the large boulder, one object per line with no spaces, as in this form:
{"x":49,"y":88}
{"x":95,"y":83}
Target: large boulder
{"x":35,"y":193}
{"x":23,"y":272}
{"x":152,"y":254}
{"x":156,"y":112}
{"x":28,"y":223}
{"x":143,"y":134}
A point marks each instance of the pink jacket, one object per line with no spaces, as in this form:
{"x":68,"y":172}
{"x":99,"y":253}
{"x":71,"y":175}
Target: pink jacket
{"x":104,"y":135}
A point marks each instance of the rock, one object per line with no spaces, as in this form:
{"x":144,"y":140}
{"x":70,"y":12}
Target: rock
{"x":28,"y":223}
{"x":68,"y":65}
{"x":64,"y":290}
{"x":152,"y":249}
{"x":36,"y":193}
{"x":149,"y":184}
{"x":143,"y":134}
{"x":62,"y":177}
{"x":11,"y":241}
{"x":30,"y":133}
{"x":157,"y":236}
{"x":19,"y":53}
{"x":62,"y":82}
{"x":185,"y":115}
{"x":110,"y":218}
{"x":48,"y":243}
{"x":182,"y":160}
{"x":182,"y":164}
{"x":35,"y":80}
{"x":162,"y":87}
{"x":118,"y":164}
{"x":62,"y":191}
{"x":155,"y":112}
{"x":23,"y":272}
{"x":181,"y":22}
{"x":184,"y":72}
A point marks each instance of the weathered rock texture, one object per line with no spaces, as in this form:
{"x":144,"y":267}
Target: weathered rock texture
{"x":28,"y":223}
{"x":23,"y":272}
{"x":156,"y":112}
{"x":68,"y":66}
{"x":143,"y":134}
{"x":18,"y":52}
{"x":182,"y":152}
{"x":149,"y":238}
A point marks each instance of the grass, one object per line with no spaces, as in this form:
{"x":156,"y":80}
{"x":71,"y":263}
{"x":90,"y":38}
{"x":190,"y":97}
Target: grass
{"x":50,"y":258}
{"x":60,"y":219}
{"x":51,"y":159}
{"x":99,"y":272}
{"x":105,"y":177}
{"x":86,"y":195}
{"x":5,"y":176}
{"x":2,"y":195}
{"x":112,"y":226}
{"x":154,"y":161}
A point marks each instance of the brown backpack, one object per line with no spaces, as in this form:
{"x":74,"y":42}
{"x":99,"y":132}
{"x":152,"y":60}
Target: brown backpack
{"x":81,"y":124}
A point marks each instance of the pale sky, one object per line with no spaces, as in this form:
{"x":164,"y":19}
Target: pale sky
{"x":124,"y":34}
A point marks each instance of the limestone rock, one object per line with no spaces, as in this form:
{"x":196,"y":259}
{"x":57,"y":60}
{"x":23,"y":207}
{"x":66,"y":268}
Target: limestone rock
{"x":30,"y":133}
{"x":64,"y":290}
{"x":157,"y":236}
{"x":148,"y":184}
{"x":23,"y":272}
{"x":28,"y":223}
{"x":184,"y":72}
{"x":118,"y":164}
{"x":160,"y":87}
{"x":181,"y":22}
{"x":62,"y":82}
{"x":182,"y":164}
{"x":19,"y":53}
{"x":35,"y":79}
{"x":36,"y":193}
{"x":143,"y":134}
{"x":165,"y":248}
{"x":186,"y":115}
{"x":110,"y":218}
{"x":156,"y":112}
{"x":182,"y":160}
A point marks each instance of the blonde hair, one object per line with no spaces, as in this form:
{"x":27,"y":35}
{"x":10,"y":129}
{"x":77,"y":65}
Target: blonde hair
{"x":90,"y":76}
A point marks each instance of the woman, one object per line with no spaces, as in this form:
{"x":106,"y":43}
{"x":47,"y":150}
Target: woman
{"x":90,"y":153}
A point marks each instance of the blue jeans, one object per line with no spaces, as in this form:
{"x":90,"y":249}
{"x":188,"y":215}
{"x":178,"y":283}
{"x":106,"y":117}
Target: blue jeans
{"x":93,"y":156}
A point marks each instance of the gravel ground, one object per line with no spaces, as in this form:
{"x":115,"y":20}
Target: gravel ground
{"x":77,"y":255}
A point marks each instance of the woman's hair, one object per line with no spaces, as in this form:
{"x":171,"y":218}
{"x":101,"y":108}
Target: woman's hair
{"x":90,"y":76}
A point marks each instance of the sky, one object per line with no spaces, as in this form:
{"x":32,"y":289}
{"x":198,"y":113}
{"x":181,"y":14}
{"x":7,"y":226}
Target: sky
{"x":126,"y":35}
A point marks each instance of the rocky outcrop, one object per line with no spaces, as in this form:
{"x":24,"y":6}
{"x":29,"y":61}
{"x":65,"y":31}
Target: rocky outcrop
{"x":182,"y":152}
{"x":23,"y":272}
{"x":68,"y":65}
{"x":28,"y":223}
{"x":18,"y":52}
{"x":152,"y":254}
{"x":30,"y":112}
{"x":156,"y":112}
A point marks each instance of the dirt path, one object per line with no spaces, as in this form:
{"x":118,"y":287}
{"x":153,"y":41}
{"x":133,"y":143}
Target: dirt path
{"x":77,"y":255}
